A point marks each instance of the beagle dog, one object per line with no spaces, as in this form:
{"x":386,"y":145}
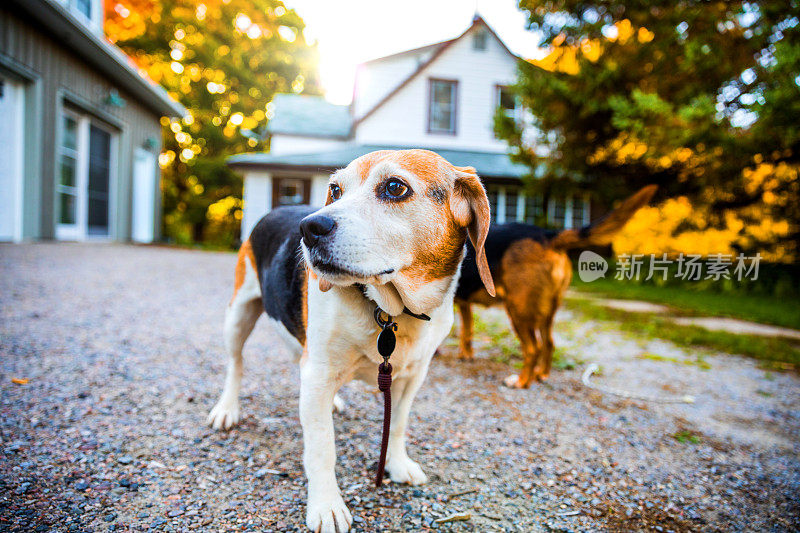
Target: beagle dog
{"x":392,"y":234}
{"x":532,"y":270}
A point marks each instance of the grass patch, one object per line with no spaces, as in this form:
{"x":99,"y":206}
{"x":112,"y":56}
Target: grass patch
{"x":686,"y":437}
{"x":764,"y":309}
{"x":699,"y":360}
{"x":562,"y":362}
{"x":777,"y":353}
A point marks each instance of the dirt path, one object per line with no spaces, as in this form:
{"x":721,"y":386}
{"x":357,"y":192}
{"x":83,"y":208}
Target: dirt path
{"x":121,"y":346}
{"x":731,"y":325}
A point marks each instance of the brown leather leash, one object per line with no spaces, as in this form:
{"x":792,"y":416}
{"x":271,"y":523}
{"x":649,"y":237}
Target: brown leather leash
{"x":387,"y":341}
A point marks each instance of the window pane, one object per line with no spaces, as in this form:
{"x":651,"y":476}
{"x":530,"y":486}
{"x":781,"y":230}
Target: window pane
{"x":534,"y":208}
{"x":442,"y":106}
{"x":558,"y":213}
{"x":577,"y":212}
{"x":70,"y":133}
{"x":290,"y":192}
{"x":67,"y":171}
{"x":442,"y":118}
{"x":99,"y":174}
{"x":491,"y":193}
{"x":67,"y":208}
{"x":84,"y":7}
{"x":507,"y":100}
{"x":511,"y":204}
{"x":479,"y":40}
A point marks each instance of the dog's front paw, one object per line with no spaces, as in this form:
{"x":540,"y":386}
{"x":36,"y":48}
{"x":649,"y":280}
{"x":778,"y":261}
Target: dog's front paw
{"x":224,"y":415}
{"x":406,"y":470}
{"x":328,"y":514}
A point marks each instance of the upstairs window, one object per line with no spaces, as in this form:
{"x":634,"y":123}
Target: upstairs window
{"x":84,"y":7}
{"x":480,"y":40}
{"x":442,"y":98}
{"x":506,"y":100}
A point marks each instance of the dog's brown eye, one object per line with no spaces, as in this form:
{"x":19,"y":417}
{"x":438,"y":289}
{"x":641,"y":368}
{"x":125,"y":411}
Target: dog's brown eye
{"x":396,"y":189}
{"x":336,"y":191}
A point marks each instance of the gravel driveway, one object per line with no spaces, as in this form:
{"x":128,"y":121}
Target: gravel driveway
{"x":121,"y":347}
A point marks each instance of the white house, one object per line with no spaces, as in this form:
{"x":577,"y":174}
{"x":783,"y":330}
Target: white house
{"x":442,"y":97}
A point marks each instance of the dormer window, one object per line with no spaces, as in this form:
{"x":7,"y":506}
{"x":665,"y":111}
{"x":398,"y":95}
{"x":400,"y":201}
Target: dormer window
{"x":84,"y":7}
{"x":442,"y":100}
{"x":89,"y":12}
{"x":480,"y":40}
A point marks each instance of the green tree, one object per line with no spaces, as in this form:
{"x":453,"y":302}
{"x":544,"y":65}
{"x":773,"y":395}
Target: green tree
{"x":223,"y":60}
{"x":684,"y":94}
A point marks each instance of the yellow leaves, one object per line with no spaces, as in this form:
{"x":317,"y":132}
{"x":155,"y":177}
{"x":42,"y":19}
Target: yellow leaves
{"x":126,"y":19}
{"x":644,"y":35}
{"x":237,"y":119}
{"x":165,"y":159}
{"x":223,"y":209}
{"x":625,"y":31}
{"x":591,"y":49}
{"x":676,"y":226}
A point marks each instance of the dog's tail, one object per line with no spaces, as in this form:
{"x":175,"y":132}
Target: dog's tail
{"x":602,"y":231}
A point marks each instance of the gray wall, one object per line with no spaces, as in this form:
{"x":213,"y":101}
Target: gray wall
{"x":55,"y":76}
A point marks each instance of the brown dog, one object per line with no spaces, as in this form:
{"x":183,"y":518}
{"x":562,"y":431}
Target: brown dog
{"x":531,"y":272}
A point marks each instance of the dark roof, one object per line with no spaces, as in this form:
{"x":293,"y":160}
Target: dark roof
{"x":487,"y":164}
{"x":444,"y":45}
{"x":310,"y":116}
{"x":106,"y":57}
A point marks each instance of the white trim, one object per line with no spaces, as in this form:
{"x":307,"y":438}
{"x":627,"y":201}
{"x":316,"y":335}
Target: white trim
{"x":587,"y":218}
{"x":568,"y":212}
{"x":15,"y":123}
{"x":257,"y":200}
{"x":520,"y":205}
{"x":501,"y":205}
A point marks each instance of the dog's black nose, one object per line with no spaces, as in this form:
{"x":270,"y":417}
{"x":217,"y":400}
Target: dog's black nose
{"x":315,"y":226}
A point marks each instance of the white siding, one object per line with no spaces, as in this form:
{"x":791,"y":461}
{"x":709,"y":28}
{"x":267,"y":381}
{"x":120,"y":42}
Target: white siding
{"x":376,"y":79}
{"x":319,"y":189}
{"x":402,"y":120}
{"x":257,"y":199}
{"x":293,"y":144}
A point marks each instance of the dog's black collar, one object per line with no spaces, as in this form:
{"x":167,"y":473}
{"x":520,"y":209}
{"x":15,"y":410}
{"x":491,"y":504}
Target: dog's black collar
{"x":406,"y":310}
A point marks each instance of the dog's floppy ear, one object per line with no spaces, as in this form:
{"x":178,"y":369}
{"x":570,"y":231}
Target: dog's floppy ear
{"x":470,"y":208}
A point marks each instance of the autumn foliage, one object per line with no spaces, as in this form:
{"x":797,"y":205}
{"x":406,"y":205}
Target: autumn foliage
{"x":702,"y":98}
{"x":223,"y":60}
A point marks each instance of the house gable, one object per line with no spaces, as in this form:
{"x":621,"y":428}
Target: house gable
{"x":403,"y":112}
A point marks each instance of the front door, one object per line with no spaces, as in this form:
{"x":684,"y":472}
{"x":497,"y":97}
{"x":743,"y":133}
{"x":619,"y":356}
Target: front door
{"x":11,"y":154}
{"x":83,"y":188}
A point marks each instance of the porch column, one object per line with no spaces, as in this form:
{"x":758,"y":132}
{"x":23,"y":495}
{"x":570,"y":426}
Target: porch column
{"x":257,"y":199}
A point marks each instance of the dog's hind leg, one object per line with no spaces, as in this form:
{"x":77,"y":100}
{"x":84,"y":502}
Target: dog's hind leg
{"x":531,"y":349}
{"x":240,"y":318}
{"x":546,"y":358}
{"x":465,"y":334}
